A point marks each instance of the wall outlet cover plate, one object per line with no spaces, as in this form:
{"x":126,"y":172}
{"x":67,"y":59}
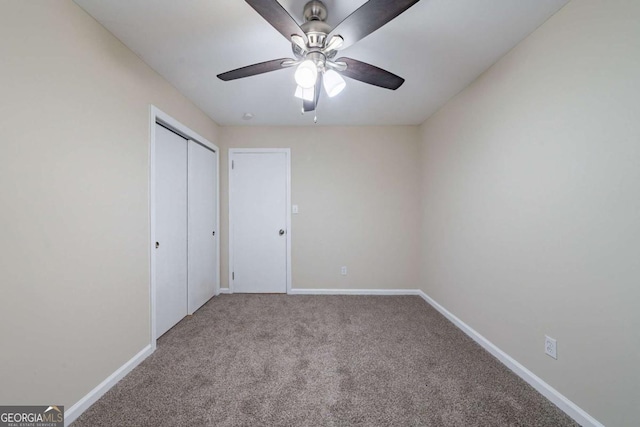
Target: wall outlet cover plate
{"x":551,"y":347}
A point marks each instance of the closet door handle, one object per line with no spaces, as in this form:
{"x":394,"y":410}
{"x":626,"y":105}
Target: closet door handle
{"x":157,"y":245}
{"x":281,"y":232}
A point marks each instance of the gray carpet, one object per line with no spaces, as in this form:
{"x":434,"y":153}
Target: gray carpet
{"x":277,"y":360}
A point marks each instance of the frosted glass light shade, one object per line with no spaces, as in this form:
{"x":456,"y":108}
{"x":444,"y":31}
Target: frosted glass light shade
{"x":306,"y":94}
{"x":306,"y":74}
{"x":333,"y":83}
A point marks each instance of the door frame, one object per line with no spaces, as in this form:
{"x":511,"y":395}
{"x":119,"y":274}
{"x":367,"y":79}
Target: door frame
{"x":158,"y":116}
{"x":287,"y":152}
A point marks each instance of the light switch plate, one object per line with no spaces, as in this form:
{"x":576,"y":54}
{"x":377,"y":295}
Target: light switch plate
{"x":294,"y":209}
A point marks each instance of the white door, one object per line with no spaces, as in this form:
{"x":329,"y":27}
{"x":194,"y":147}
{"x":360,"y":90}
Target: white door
{"x":203,"y":187}
{"x":258,"y":217}
{"x":171,"y":229}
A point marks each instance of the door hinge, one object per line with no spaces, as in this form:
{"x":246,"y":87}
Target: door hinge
{"x":232,"y":164}
{"x":233,"y":275}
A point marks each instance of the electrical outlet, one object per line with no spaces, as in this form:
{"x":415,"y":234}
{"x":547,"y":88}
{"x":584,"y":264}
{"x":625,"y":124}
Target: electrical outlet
{"x":551,"y":347}
{"x":343,"y":270}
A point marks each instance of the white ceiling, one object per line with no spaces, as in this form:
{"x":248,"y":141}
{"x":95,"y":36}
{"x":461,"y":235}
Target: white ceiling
{"x":438,"y":46}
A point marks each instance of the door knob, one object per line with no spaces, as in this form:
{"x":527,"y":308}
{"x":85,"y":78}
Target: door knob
{"x":281,"y":232}
{"x":157,"y":245}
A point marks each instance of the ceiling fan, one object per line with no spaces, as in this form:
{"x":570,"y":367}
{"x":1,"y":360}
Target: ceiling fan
{"x":315,"y":45}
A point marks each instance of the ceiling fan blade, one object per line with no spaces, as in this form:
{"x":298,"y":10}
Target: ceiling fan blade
{"x":252,"y":70}
{"x":368,"y":18}
{"x":312,"y":105}
{"x":278,"y":17}
{"x":308,"y":106}
{"x":371,"y":74}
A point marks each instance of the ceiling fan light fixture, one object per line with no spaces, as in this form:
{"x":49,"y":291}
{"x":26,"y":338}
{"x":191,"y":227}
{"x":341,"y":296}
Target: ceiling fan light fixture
{"x":306,"y":74}
{"x":335,"y":43}
{"x":306,"y":94}
{"x":333,"y":83}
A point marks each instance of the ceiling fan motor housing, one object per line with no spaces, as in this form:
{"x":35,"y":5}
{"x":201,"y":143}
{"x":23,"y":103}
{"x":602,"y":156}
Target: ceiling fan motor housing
{"x":315,"y":27}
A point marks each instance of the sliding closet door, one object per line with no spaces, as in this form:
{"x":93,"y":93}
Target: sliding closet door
{"x":203,"y":187}
{"x":171,"y":229}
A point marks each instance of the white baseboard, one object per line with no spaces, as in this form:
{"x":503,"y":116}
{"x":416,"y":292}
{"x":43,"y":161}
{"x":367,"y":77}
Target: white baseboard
{"x":567,"y":406}
{"x":224,"y":291}
{"x":83,"y":404}
{"x":353,"y":292}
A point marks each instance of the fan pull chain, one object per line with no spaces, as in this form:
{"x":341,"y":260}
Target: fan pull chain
{"x":315,"y":114}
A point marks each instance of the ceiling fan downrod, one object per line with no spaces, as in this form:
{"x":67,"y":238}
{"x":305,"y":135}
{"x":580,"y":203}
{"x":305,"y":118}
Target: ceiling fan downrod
{"x":315,"y":10}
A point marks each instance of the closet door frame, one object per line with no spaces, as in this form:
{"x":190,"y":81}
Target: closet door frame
{"x":158,"y":116}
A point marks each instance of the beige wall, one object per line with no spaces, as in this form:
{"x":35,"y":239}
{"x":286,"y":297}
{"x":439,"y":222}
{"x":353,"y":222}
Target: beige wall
{"x":74,"y":142}
{"x":356,"y":190}
{"x":529,"y":183}
{"x":531,"y":205}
